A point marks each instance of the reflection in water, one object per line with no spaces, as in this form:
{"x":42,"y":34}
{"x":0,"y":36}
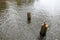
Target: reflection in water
{"x":42,"y":38}
{"x":47,"y":5}
{"x":20,"y":2}
{"x":2,"y":6}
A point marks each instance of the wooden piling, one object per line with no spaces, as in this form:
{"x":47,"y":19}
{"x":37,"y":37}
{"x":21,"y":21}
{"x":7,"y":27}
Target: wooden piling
{"x":29,"y":17}
{"x":43,"y":29}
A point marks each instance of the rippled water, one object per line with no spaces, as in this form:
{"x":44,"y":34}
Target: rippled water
{"x":13,"y":19}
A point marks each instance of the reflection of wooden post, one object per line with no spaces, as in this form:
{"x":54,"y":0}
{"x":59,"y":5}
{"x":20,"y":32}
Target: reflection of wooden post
{"x":2,"y":5}
{"x":29,"y":17}
{"x":43,"y":29}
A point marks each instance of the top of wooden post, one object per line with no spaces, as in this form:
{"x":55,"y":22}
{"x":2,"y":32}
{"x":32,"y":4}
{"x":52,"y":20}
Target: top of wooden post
{"x":45,"y":25}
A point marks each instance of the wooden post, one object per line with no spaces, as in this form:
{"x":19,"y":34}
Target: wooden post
{"x":43,"y":29}
{"x":29,"y":17}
